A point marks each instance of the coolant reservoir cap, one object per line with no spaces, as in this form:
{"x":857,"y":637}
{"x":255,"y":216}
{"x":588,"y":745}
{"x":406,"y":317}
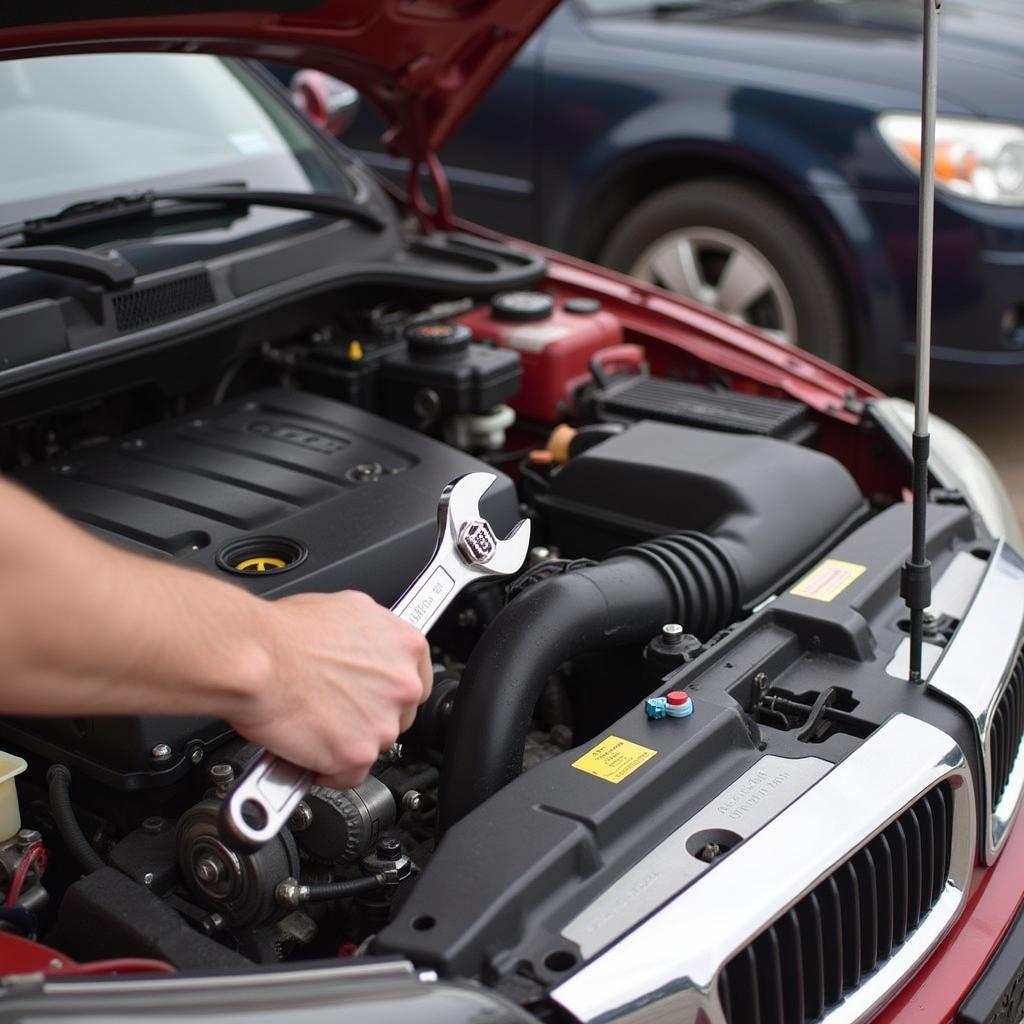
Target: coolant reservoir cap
{"x":438,"y":339}
{"x":522,"y":307}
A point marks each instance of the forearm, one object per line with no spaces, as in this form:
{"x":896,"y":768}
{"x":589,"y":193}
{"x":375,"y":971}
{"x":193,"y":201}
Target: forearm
{"x":88,"y":628}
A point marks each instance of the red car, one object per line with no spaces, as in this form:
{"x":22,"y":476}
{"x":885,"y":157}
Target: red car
{"x":672,"y":768}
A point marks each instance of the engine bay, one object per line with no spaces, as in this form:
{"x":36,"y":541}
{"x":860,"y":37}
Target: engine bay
{"x":703,"y":629}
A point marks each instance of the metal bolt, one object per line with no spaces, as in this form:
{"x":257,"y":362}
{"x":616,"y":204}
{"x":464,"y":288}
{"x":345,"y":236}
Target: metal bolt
{"x":196,"y":757}
{"x":412,"y":801}
{"x":761,"y":682}
{"x":212,"y":924}
{"x":672,"y":632}
{"x":209,"y":870}
{"x":389,"y":848}
{"x":537,"y":555}
{"x":288,"y":893}
{"x":147,"y":878}
{"x":28,"y":836}
{"x":302,"y":817}
{"x":154,"y":825}
{"x":161,"y":752}
{"x":221,"y":774}
{"x":710,"y":852}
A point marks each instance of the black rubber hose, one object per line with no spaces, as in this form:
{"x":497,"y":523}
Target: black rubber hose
{"x":685,"y":578}
{"x":59,"y":781}
{"x":320,"y":892}
{"x":422,"y":780}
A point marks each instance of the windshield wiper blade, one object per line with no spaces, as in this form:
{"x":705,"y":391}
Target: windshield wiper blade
{"x":148,"y":204}
{"x":109,"y":269}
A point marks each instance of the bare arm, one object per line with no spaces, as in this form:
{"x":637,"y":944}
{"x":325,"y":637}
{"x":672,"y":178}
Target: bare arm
{"x":88,"y":629}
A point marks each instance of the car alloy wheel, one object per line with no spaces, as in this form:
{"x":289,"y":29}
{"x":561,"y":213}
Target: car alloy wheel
{"x":719,"y":269}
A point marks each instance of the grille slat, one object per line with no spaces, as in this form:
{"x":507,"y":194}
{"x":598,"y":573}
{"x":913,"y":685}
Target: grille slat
{"x":849,"y":902}
{"x":753,"y":992}
{"x":850,"y":924}
{"x":865,"y":869}
{"x":808,"y":914}
{"x":901,"y":890}
{"x":791,"y":949}
{"x":883,"y":861}
{"x":1006,"y":731}
{"x":834,"y":946}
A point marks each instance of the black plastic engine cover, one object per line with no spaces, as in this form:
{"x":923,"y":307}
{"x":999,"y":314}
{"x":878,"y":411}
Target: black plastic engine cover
{"x":355,"y":494}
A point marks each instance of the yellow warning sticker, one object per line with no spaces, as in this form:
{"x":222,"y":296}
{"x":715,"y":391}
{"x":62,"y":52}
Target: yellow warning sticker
{"x":828,"y":580}
{"x":613,"y":759}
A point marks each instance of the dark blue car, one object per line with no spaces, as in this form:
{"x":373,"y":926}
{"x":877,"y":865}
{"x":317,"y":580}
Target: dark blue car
{"x":759,"y":156}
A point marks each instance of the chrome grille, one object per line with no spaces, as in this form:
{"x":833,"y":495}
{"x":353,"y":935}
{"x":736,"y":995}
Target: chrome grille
{"x":850,"y":923}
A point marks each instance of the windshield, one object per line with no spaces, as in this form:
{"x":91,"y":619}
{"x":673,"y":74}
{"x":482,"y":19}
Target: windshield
{"x":90,"y":126}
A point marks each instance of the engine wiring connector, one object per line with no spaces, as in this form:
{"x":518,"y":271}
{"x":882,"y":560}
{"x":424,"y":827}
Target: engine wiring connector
{"x":656,"y":707}
{"x":677,"y":704}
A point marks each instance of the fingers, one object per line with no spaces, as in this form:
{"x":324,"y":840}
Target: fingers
{"x":426,"y":670}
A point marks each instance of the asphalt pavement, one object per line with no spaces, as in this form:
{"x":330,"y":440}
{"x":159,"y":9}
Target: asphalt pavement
{"x":994,"y":419}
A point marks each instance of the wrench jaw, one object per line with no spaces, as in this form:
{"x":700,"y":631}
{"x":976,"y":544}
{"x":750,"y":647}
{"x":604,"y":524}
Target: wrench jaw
{"x":472,"y":536}
{"x":510,"y":553}
{"x":262,"y":802}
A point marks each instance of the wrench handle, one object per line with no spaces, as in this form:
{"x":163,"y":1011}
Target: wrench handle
{"x":259,"y":806}
{"x":427,"y":597}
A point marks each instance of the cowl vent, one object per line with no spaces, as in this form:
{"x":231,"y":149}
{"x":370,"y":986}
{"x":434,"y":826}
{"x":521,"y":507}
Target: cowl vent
{"x":154,"y":303}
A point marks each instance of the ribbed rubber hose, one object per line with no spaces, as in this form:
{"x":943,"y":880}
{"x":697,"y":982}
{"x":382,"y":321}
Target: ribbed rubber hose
{"x":685,"y":578}
{"x":59,"y":782}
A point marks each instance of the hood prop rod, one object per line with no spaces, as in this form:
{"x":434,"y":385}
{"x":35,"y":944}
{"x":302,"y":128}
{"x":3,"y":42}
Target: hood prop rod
{"x":916,"y":577}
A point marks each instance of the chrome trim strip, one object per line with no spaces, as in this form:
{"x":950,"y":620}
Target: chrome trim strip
{"x":667,"y":969}
{"x":975,"y":670}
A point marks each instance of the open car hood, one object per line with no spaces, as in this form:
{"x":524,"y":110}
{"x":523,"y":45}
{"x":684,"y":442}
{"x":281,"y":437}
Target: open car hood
{"x":423,"y":63}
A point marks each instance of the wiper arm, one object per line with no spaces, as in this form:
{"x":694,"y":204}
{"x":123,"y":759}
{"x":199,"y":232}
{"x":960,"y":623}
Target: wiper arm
{"x":146,"y":204}
{"x":311,"y":202}
{"x":108,"y":269}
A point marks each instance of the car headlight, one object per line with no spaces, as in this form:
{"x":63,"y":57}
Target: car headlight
{"x":980,"y":160}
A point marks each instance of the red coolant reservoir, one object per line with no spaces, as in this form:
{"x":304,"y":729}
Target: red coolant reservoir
{"x":556,"y":339}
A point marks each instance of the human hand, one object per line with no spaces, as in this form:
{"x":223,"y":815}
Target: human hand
{"x":345,"y":680}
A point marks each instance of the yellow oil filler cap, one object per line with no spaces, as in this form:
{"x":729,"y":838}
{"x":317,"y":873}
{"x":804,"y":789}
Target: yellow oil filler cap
{"x":260,"y":563}
{"x":10,"y":814}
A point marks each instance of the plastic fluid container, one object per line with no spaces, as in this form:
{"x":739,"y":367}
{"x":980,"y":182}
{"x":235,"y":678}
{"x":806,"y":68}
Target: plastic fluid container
{"x":10,"y":814}
{"x":555,"y":338}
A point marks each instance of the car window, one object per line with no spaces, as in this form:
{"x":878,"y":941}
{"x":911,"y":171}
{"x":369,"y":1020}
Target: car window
{"x":93,"y":125}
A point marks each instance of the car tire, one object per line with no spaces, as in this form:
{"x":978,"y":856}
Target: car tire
{"x":694,"y":237}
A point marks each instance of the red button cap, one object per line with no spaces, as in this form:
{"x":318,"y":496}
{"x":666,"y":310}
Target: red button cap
{"x":677,"y":698}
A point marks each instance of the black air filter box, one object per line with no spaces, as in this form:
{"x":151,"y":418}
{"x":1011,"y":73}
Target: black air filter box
{"x":750,"y":493}
{"x":695,"y":405}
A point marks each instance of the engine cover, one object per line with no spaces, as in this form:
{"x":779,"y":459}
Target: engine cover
{"x":282,"y":492}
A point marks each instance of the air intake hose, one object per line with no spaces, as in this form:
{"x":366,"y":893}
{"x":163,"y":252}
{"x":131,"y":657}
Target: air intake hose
{"x":687,"y":578}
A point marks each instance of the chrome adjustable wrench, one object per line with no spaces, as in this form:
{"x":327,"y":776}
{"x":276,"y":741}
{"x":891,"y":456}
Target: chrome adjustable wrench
{"x":259,"y":806}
